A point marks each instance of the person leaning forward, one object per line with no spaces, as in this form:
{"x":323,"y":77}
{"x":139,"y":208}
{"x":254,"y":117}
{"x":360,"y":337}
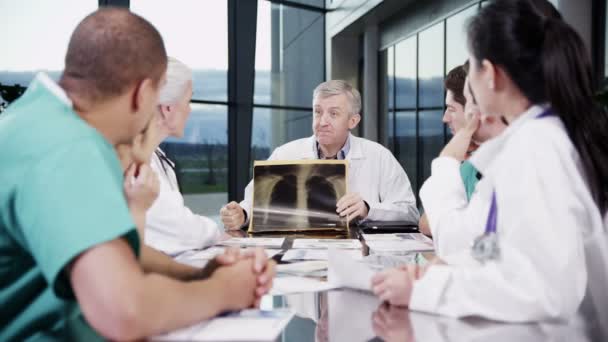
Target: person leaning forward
{"x":68,"y":243}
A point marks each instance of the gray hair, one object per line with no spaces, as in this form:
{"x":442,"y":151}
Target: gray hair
{"x":178,"y":76}
{"x":338,"y":87}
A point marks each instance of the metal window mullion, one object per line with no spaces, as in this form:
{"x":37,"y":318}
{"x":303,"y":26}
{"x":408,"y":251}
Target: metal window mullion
{"x":445,"y":67}
{"x":242,"y":23}
{"x":417,"y":140}
{"x":394,"y":73}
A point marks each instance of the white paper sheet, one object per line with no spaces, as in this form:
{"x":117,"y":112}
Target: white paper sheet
{"x":383,"y":261}
{"x":314,"y":254}
{"x":397,"y":237}
{"x":207,"y":253}
{"x":253,"y":242}
{"x":199,"y":258}
{"x":302,"y":268}
{"x":246,"y":325}
{"x":398,"y":246}
{"x":289,"y":285}
{"x":326,"y":244}
{"x":345,"y":271}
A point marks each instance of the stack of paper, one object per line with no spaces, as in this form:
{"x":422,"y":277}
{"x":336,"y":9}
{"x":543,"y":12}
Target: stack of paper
{"x":246,"y":325}
{"x":398,"y":243}
{"x":253,"y":242}
{"x":314,"y":254}
{"x":383,"y":261}
{"x":310,"y":268}
{"x":396,"y":237}
{"x":326,"y":244}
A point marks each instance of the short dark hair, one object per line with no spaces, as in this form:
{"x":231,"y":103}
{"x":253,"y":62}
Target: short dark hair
{"x":110,"y":50}
{"x":454,"y":82}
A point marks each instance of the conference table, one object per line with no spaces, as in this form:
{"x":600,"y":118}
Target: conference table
{"x":345,"y":315}
{"x":350,"y":315}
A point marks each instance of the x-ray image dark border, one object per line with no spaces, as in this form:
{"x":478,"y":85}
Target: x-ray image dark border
{"x":298,"y":195}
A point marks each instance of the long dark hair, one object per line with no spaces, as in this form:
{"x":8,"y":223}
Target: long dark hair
{"x":531,"y":42}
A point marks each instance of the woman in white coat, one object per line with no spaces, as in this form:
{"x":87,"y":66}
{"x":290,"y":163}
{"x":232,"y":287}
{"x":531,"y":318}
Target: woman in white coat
{"x":172,"y":227}
{"x":539,"y":211}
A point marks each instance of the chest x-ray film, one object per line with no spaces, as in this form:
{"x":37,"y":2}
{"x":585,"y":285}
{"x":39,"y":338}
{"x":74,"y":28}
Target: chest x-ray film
{"x":298,"y":195}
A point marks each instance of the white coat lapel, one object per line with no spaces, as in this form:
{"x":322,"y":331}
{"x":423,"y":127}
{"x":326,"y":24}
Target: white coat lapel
{"x":355,"y":158}
{"x":310,"y":149}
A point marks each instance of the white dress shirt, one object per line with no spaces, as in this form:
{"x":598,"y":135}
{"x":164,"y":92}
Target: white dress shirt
{"x":373,"y":172}
{"x":547,"y":221}
{"x":171,"y":227}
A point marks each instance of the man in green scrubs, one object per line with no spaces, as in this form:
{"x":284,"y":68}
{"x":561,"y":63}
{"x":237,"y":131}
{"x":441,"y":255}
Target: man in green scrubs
{"x":68,"y":239}
{"x":460,"y":106}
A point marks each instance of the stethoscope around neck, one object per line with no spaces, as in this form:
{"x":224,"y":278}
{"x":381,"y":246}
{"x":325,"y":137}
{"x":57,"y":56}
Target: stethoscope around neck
{"x":164,"y":162}
{"x":485,"y":247}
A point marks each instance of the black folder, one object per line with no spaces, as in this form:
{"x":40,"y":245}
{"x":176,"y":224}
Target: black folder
{"x":371,"y":227}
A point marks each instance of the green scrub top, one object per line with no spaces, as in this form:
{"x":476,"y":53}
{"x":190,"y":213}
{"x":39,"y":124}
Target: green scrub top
{"x":61,"y":193}
{"x":470,"y":177}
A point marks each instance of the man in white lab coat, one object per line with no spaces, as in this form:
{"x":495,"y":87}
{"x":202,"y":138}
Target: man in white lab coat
{"x":379,"y":188}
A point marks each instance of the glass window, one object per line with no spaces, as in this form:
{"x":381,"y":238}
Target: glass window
{"x":386,"y":90}
{"x":405,"y":73}
{"x":456,"y":38}
{"x":390,"y":78}
{"x":274,"y":127}
{"x":386,"y":96}
{"x":406,"y":145}
{"x":201,"y":155}
{"x":430,"y":67}
{"x":415,"y":132}
{"x":201,"y":158}
{"x":32,"y":29}
{"x":289,"y":61}
{"x":390,"y":132}
{"x":196,"y":33}
{"x":431,"y":139}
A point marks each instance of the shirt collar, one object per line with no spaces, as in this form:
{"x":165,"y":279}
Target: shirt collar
{"x":42,"y":79}
{"x":487,"y":152}
{"x":341,"y":154}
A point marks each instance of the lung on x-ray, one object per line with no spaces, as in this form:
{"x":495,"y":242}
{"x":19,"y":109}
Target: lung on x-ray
{"x":298,"y":195}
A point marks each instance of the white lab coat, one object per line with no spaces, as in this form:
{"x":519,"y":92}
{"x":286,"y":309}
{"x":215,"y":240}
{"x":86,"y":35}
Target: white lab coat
{"x":444,"y":329}
{"x":171,"y":227}
{"x":373,"y":172}
{"x":546,"y":218}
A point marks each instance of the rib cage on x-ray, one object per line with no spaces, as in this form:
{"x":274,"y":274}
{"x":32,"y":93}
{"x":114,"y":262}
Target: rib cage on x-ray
{"x":298,"y":196}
